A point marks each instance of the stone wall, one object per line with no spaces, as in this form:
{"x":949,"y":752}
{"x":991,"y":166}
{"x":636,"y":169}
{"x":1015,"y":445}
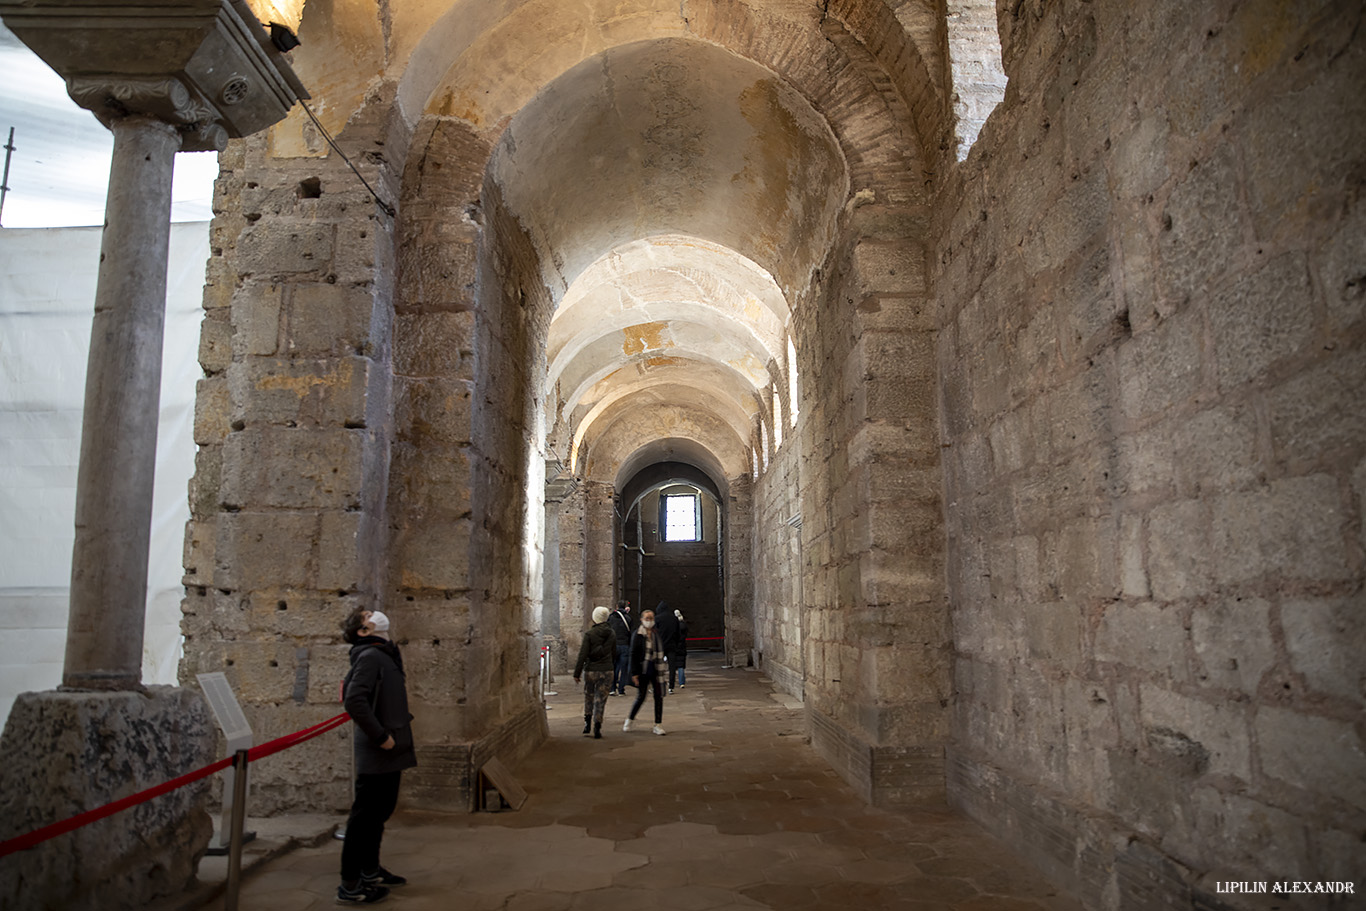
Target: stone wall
{"x":293,"y":425}
{"x":779,"y":621}
{"x":431,"y":512}
{"x":876,"y":628}
{"x":738,"y":582}
{"x":1149,"y":275}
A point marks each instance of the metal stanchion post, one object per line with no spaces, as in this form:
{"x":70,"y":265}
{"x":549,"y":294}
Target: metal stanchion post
{"x":239,"y":817}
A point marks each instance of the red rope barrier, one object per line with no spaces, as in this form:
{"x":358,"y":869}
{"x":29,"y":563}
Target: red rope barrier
{"x":37,"y":836}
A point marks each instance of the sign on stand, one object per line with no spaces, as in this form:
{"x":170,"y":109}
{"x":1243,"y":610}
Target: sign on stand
{"x":237,"y":731}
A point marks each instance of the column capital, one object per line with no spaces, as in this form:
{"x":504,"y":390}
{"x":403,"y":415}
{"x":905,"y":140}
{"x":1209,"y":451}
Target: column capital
{"x":113,"y":97}
{"x":207,"y":67}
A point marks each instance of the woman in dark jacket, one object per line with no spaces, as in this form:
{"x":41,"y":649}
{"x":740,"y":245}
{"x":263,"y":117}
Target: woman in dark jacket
{"x":375,"y":694}
{"x":648,"y":663}
{"x":597,"y":654}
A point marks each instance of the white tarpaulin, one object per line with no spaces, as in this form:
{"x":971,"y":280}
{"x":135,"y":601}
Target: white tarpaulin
{"x":47,"y":296}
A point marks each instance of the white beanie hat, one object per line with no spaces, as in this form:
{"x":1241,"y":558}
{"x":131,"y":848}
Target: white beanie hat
{"x":600,"y":614}
{"x":678,"y":614}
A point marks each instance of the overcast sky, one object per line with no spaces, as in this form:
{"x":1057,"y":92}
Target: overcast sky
{"x":59,"y":172}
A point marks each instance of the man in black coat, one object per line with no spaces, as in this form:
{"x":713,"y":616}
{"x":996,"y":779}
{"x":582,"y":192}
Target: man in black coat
{"x":622,"y":625}
{"x":375,"y":694}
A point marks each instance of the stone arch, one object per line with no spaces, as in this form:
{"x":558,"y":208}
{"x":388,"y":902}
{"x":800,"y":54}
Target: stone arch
{"x":452,"y":379}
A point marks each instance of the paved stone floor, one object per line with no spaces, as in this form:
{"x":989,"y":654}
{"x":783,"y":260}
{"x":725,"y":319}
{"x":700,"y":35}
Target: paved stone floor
{"x":730,"y":810}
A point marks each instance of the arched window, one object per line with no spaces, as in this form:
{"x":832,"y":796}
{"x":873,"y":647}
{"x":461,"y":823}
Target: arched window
{"x":777,"y":417}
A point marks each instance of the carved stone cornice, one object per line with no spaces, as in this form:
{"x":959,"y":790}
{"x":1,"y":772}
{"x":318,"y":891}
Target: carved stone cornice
{"x":112,"y":97}
{"x":206,"y":66}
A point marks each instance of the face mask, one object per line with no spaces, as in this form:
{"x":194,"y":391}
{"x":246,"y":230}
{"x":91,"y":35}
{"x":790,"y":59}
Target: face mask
{"x":378,"y":622}
{"x":648,"y":624}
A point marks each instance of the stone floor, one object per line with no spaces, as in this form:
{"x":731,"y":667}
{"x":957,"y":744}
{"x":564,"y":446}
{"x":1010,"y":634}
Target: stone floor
{"x":731,"y":810}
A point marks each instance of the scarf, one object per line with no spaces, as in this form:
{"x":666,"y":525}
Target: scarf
{"x":654,"y":651}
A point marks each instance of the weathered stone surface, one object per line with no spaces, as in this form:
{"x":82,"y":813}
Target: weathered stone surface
{"x":1233,"y":644}
{"x":1324,"y":639}
{"x":302,"y":392}
{"x":263,"y":549}
{"x":1293,"y":529}
{"x":1146,"y":636}
{"x":1264,"y":318}
{"x":256,"y":308}
{"x":1182,"y":730}
{"x":1320,"y":755}
{"x":329,"y":319}
{"x":268,"y":249}
{"x":293,"y":469}
{"x":65,"y":753}
{"x":1178,"y":535}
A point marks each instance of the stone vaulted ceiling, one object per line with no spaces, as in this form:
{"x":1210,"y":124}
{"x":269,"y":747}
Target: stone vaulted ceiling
{"x":679,"y":178}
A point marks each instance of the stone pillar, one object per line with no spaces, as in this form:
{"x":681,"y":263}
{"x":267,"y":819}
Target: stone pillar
{"x":600,"y":553}
{"x":161,"y":84}
{"x":122,"y":397}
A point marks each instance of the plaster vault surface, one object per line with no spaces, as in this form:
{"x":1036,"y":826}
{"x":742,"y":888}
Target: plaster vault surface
{"x":675,"y":195}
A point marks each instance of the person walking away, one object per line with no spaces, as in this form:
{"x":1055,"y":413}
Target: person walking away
{"x":667,"y":626}
{"x":622,"y":626}
{"x":678,"y":660}
{"x":596,"y":655}
{"x":375,"y":694}
{"x":647,"y":669}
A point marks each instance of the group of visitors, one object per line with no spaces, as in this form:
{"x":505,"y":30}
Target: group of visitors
{"x":642,"y":655}
{"x":375,"y":694}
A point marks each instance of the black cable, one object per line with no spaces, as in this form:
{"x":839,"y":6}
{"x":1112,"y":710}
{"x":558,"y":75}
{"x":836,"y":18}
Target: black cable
{"x":388,"y":209}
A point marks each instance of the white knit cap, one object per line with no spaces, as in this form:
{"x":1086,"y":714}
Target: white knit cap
{"x":600,"y":614}
{"x":678,"y":614}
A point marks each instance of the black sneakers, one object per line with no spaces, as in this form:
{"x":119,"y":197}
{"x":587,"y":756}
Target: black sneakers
{"x":363,"y":894}
{"x":382,"y":877}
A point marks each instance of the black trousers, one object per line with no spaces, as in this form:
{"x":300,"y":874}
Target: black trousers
{"x":621,"y":671}
{"x":650,"y":678}
{"x":376,"y":797}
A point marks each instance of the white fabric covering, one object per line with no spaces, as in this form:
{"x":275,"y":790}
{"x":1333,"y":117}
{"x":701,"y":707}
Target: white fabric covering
{"x":47,"y":294}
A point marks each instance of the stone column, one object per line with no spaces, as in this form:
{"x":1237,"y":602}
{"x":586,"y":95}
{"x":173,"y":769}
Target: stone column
{"x":122,"y":399}
{"x":162,"y":83}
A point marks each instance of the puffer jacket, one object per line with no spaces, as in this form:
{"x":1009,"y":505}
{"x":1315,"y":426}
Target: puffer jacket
{"x":376,"y":696}
{"x":598,"y":651}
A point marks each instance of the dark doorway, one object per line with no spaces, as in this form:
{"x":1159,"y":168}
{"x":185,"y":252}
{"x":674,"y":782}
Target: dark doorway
{"x":673,"y":540}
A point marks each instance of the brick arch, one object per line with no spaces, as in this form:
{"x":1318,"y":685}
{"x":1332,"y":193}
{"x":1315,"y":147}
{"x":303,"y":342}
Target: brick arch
{"x":855,"y":65}
{"x":470,"y":283}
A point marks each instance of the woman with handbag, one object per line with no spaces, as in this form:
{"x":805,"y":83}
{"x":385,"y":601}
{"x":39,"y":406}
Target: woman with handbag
{"x":649,"y":664}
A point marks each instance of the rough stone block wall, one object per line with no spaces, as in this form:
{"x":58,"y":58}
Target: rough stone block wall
{"x":292,"y":423}
{"x":465,"y":516}
{"x":573,"y":550}
{"x":508,"y":478}
{"x":778,"y":627}
{"x":738,"y":582}
{"x":1149,"y":275}
{"x":431,"y":475}
{"x":876,"y":630}
{"x":601,"y":564}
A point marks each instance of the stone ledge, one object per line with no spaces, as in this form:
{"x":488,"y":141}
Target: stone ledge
{"x":884,"y":776}
{"x":445,"y":775}
{"x":276,"y":836}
